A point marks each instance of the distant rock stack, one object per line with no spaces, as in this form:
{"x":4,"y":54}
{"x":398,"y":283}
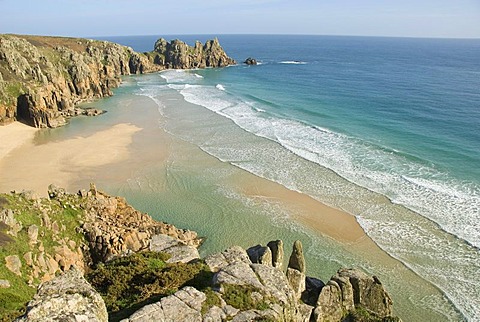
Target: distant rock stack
{"x":178,"y":55}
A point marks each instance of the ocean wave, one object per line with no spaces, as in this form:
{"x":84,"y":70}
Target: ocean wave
{"x":443,"y":201}
{"x":293,"y":62}
{"x":220,"y":87}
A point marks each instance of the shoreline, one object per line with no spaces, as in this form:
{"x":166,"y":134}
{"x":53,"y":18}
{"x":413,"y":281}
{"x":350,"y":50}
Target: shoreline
{"x":108,"y":154}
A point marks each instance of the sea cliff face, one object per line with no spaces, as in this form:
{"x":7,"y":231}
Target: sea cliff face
{"x":43,"y":78}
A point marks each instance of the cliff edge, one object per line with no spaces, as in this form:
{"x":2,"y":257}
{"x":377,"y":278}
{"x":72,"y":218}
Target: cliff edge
{"x":43,"y":78}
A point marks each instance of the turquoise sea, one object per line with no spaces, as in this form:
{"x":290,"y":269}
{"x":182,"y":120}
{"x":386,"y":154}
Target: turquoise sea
{"x":387,"y":129}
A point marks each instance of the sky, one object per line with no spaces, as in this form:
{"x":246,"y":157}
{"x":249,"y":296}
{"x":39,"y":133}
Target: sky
{"x":398,"y":18}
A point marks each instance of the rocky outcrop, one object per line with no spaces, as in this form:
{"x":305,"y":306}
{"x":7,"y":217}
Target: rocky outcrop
{"x":250,"y":61}
{"x":43,"y":78}
{"x":113,"y":228}
{"x":68,"y":297}
{"x":236,"y":284}
{"x":178,"y":55}
{"x":247,"y":291}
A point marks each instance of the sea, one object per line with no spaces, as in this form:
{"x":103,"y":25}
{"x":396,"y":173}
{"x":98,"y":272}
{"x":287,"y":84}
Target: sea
{"x":385,"y":129}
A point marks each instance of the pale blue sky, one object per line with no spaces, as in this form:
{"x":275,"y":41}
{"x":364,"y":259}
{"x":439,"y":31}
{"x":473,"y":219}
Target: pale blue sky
{"x":410,"y":18}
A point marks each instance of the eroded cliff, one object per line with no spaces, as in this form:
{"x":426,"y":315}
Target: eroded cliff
{"x":43,"y":78}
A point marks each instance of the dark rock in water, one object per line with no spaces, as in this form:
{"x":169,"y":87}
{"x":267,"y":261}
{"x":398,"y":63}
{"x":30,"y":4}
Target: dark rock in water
{"x":250,"y":61}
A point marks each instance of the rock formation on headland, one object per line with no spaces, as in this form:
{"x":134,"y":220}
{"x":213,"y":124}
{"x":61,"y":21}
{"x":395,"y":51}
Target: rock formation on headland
{"x":67,"y":235}
{"x":43,"y":78}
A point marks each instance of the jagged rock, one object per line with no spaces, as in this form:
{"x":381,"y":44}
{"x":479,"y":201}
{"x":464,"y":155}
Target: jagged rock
{"x":13,"y":264}
{"x":297,"y":281}
{"x":29,"y":195}
{"x":297,"y":261}
{"x":260,"y":254}
{"x":161,"y":242}
{"x":276,"y":283}
{"x":349,"y":289}
{"x":178,"y":55}
{"x":233,"y":255}
{"x":68,"y":297}
{"x":250,"y":61}
{"x":276,"y":247}
{"x":367,"y":291}
{"x":329,"y":304}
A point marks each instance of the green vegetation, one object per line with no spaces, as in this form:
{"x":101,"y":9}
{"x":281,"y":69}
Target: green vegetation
{"x":65,"y":215}
{"x":240,"y":297}
{"x":211,"y":300}
{"x":128,"y":283}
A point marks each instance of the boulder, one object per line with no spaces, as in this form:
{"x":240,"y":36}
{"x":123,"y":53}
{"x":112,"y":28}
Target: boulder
{"x":13,"y":264}
{"x":184,"y":305}
{"x":260,"y":254}
{"x":68,"y":297}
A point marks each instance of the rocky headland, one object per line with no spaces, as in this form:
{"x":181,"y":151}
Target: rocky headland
{"x":42,"y":79}
{"x":93,"y":257}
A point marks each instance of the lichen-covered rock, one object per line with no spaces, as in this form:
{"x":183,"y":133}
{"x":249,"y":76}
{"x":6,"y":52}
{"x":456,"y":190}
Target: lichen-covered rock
{"x":276,"y":247}
{"x":68,"y":297}
{"x":184,"y":305}
{"x":234,"y":254}
{"x":297,"y":260}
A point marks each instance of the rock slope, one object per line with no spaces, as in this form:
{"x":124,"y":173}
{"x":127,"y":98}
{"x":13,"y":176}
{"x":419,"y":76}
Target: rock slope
{"x":43,"y":78}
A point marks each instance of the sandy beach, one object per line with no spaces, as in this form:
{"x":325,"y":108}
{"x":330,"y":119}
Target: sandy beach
{"x":25,"y":165}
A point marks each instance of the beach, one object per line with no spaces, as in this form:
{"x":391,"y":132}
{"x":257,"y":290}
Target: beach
{"x":132,"y":151}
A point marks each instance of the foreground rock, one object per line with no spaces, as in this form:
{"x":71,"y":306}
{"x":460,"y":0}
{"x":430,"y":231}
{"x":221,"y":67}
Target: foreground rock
{"x":43,"y":78}
{"x":236,"y":284}
{"x":68,"y":297}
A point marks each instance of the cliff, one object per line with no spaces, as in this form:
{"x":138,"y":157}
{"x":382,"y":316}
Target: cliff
{"x":146,"y":270}
{"x":43,"y":78}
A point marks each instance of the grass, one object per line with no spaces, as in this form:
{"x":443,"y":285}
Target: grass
{"x":14,"y":299}
{"x":129,"y":283}
{"x":240,"y":297}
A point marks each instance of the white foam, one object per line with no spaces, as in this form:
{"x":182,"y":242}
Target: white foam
{"x":220,"y":87}
{"x":293,"y":62}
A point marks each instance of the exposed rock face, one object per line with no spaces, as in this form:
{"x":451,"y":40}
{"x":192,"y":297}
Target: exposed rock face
{"x":178,"y":55}
{"x":114,"y":228}
{"x":276,"y":247}
{"x":260,"y":254}
{"x":68,"y":297}
{"x":350,"y":289}
{"x":43,"y":78}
